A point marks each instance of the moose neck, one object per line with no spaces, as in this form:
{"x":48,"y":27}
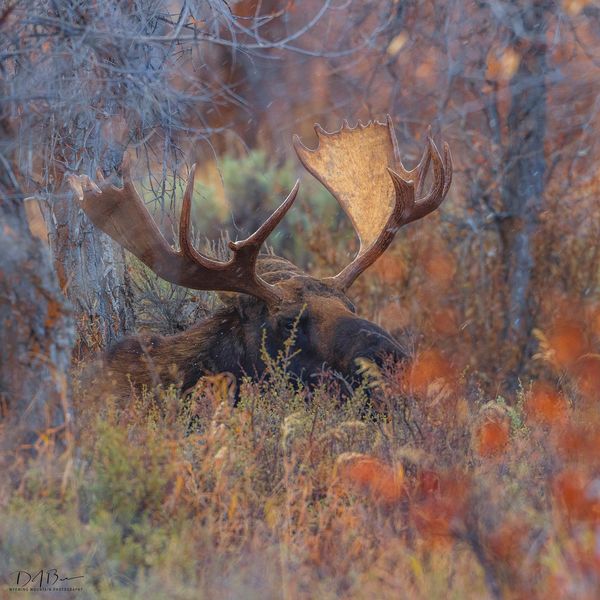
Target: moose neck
{"x":214,"y":345}
{"x":217,"y":344}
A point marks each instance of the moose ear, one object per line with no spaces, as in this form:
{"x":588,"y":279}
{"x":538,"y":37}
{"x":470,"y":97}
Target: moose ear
{"x":245,"y":306}
{"x":227,"y":298}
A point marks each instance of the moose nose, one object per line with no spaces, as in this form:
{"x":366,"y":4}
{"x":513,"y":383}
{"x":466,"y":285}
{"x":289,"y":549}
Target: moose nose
{"x":358,"y":338}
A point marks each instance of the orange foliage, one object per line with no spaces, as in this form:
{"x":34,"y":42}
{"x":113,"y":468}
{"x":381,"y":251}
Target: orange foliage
{"x":428,"y":482}
{"x":574,"y":493}
{"x":545,"y":405}
{"x":507,"y":542}
{"x":574,"y":7}
{"x":440,"y":268}
{"x":394,"y":316}
{"x":428,"y":367}
{"x":54,"y":312}
{"x":397,"y":43}
{"x":440,"y":505}
{"x":389,"y":269}
{"x":426,"y":70}
{"x":580,"y":444}
{"x":593,"y":319}
{"x":492,"y":436}
{"x":567,"y":342}
{"x":372,"y":477}
{"x":586,"y":375}
{"x":444,"y":321}
{"x":503,"y":65}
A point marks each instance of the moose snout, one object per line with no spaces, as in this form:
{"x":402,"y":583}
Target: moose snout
{"x":358,"y":338}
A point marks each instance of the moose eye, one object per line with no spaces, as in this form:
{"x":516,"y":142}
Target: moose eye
{"x":289,"y":324}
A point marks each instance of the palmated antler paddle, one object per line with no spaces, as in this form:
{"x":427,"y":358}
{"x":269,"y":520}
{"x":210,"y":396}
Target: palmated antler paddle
{"x":361,"y":167}
{"x":120,"y":213}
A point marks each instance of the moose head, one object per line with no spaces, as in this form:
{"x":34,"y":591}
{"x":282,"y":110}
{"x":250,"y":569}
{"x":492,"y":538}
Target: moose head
{"x":361,"y":167}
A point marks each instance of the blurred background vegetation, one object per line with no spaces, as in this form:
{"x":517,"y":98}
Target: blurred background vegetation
{"x":479,"y":477}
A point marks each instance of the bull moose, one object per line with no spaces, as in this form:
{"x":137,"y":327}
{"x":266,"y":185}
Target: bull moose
{"x":361,"y":167}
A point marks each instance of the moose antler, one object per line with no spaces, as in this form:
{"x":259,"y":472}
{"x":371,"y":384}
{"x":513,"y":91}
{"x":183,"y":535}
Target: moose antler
{"x":120,"y":213}
{"x":361,"y":167}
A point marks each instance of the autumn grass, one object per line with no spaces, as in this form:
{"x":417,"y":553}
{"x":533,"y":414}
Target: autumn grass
{"x":429,"y":493}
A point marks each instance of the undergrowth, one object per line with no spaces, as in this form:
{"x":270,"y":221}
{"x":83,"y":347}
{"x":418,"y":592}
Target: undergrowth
{"x":297,"y":493}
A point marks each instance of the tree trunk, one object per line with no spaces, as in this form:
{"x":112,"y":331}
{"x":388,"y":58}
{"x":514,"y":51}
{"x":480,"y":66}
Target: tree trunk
{"x":93,"y":275}
{"x":36,"y":331}
{"x":523,"y":186}
{"x":91,"y":267}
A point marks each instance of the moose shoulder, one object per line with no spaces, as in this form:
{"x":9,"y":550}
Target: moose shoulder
{"x":361,"y":167}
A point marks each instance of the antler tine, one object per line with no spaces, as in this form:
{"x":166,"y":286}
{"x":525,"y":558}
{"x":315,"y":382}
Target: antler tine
{"x":417,"y":172}
{"x":121,"y":213}
{"x":421,"y":169}
{"x":185,"y":242}
{"x":257,"y":239}
{"x":185,"y":218}
{"x":423,"y":206}
{"x":447,"y":169}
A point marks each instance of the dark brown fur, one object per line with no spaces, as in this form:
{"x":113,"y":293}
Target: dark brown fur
{"x":329,"y":335}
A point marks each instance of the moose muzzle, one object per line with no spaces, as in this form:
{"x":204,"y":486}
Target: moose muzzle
{"x":358,"y":338}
